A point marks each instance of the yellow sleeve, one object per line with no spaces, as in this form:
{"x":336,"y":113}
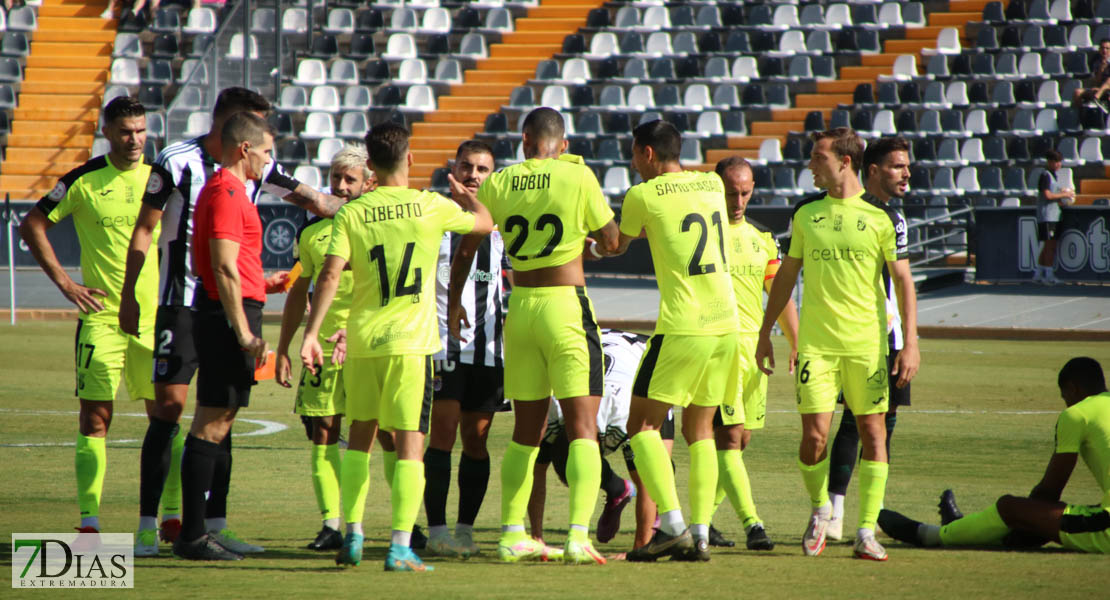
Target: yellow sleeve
{"x":797,"y":238}
{"x":486,"y":194}
{"x":454,"y":218}
{"x":597,"y":211}
{"x":340,"y":234}
{"x":888,"y":241}
{"x":632,"y":213}
{"x":1069,"y":432}
{"x":304,"y":254}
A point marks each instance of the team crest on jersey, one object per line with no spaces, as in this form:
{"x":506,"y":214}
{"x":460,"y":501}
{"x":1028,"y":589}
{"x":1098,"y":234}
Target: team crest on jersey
{"x":154,"y":183}
{"x":860,"y":225}
{"x":437,"y":383}
{"x":58,"y":192}
{"x":838,"y":222}
{"x":728,"y":409}
{"x":162,"y":366}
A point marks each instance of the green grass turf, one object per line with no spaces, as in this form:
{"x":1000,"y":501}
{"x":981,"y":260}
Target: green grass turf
{"x":981,"y":423}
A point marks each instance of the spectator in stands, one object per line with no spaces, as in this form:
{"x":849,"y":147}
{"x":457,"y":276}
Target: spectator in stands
{"x":1099,"y":84}
{"x":131,"y":14}
{"x":1050,"y":197}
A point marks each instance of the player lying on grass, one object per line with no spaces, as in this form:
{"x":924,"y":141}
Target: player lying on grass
{"x":1083,"y":429}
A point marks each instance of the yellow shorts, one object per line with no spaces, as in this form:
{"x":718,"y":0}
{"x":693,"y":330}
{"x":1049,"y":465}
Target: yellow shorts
{"x":864,"y":380}
{"x":1086,"y":528}
{"x":552,"y":345}
{"x":322,"y":394}
{"x":396,"y":391}
{"x":103,"y":352}
{"x":691,"y":369}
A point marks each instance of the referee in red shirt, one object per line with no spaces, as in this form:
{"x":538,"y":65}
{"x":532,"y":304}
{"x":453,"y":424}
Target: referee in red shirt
{"x":227,"y":322}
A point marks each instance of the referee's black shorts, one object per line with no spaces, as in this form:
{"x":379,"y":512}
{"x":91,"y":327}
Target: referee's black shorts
{"x":226,"y":371}
{"x":1048,"y":231}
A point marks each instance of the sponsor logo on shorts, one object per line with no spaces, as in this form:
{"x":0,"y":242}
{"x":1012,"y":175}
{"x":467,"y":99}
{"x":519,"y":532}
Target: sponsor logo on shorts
{"x":879,"y":400}
{"x":878,"y":378}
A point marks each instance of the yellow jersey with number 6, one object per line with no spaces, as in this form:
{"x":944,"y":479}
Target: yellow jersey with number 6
{"x":391,"y":237}
{"x":684,"y":216}
{"x":544,"y":209}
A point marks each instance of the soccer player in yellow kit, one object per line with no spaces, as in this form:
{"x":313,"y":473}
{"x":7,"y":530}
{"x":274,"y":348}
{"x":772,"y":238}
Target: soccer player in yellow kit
{"x":1082,"y":430}
{"x":843,"y":242}
{"x":692,"y":360}
{"x":544,"y":208}
{"x":102,"y":196}
{"x":390,"y":238}
{"x":753,"y":260}
{"x":320,"y":396}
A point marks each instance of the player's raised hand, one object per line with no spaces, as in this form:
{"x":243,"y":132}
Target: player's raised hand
{"x":339,"y":353}
{"x":311,"y":354}
{"x":456,"y":320}
{"x":459,"y":191}
{"x":283,"y":370}
{"x":764,"y":350}
{"x":129,"y":314}
{"x":85,"y":297}
{"x":906,"y":364}
{"x":278,"y":283}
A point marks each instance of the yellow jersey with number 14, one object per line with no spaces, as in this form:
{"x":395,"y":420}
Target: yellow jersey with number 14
{"x":391,"y":237}
{"x":544,"y":209}
{"x":684,"y":217}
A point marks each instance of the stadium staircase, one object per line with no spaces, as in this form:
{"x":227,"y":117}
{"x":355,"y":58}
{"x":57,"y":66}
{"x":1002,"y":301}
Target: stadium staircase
{"x":462,"y":112}
{"x":59,"y":99}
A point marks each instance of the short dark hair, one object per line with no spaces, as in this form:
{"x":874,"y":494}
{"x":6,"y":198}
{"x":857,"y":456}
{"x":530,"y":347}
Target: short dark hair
{"x":545,"y":123}
{"x":663,"y":138}
{"x":845,"y":142}
{"x":244,"y":127}
{"x":1053,"y":156}
{"x":238,"y":99}
{"x":878,"y":150}
{"x":122,"y":108}
{"x":731,"y":162}
{"x":1085,"y":373}
{"x":473,"y":147}
{"x":1103,"y":41}
{"x":386,"y":145}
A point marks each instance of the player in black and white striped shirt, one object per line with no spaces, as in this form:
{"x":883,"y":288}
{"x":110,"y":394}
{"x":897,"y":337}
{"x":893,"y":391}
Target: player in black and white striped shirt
{"x":469,"y":375}
{"x":176,"y":179}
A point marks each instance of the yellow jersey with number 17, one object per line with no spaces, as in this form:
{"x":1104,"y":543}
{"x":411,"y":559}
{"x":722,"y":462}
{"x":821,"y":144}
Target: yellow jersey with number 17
{"x":391,"y":237}
{"x":684,"y":216}
{"x":544,"y":209}
{"x":104,"y":203}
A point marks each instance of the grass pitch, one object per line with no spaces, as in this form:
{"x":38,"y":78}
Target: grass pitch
{"x":982,"y":423}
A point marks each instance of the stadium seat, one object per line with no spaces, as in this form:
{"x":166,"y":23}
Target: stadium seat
{"x":127,"y":45}
{"x":353,"y":125}
{"x":309,"y":175}
{"x":341,"y":21}
{"x":326,"y":150}
{"x":197,"y":124}
{"x":124,"y":71}
{"x":498,"y":20}
{"x":166,"y":21}
{"x":200,"y":20}
{"x":420,"y":98}
{"x":263,"y":20}
{"x":293,"y":98}
{"x":239,"y":50}
{"x":318,"y":125}
{"x":356,"y":98}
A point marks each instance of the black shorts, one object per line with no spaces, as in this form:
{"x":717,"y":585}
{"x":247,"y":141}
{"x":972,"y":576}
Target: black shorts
{"x":478,"y":388}
{"x":175,"y":354}
{"x":226,"y":371}
{"x":1048,"y":231}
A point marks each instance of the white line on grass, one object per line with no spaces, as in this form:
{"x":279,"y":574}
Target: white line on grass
{"x":960,"y":412}
{"x":268,"y":427}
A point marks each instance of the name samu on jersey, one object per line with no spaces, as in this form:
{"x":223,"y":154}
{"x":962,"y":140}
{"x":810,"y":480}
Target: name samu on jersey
{"x":177,"y":177}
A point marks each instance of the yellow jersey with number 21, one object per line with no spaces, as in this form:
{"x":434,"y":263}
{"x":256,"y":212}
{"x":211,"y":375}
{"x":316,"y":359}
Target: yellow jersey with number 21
{"x":391,"y":237}
{"x":684,"y":216}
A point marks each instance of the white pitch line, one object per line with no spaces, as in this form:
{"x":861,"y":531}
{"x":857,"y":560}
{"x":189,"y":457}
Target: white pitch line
{"x":929,"y":307}
{"x":1082,"y":325}
{"x":267,"y":427}
{"x":959,"y":412}
{"x":1027,"y":311}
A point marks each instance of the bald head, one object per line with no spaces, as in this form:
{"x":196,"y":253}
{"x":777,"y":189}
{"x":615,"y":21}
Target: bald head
{"x":736,"y":173}
{"x":544,"y":133}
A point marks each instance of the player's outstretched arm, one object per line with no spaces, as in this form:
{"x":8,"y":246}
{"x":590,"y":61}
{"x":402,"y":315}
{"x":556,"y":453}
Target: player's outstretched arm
{"x":314,"y":201}
{"x":460,"y":269}
{"x":33,"y":231}
{"x":909,"y":357}
{"x":609,"y":239}
{"x":229,"y":286}
{"x":779,"y":295}
{"x":468,"y":200}
{"x":1056,"y":476}
{"x":291,"y":317}
{"x":141,"y":239}
{"x":326,"y":285}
